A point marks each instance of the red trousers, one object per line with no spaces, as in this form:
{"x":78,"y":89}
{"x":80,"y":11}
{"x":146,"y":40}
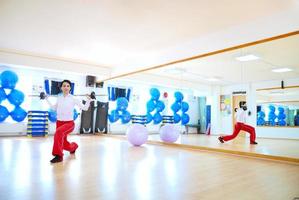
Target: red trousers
{"x":244,"y":127}
{"x":63,"y":128}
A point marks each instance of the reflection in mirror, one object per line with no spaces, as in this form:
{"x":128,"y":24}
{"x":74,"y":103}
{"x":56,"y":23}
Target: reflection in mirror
{"x":278,"y":107}
{"x":212,"y":88}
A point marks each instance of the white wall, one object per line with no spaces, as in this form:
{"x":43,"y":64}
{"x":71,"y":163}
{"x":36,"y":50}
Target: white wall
{"x":29,"y":77}
{"x":225,"y":122}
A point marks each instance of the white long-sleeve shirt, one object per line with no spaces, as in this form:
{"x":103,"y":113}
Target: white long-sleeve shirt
{"x":241,"y":115}
{"x":65,"y":106}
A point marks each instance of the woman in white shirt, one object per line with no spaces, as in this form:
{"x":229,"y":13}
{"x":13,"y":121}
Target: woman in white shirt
{"x":65,"y":124}
{"x":241,"y":114}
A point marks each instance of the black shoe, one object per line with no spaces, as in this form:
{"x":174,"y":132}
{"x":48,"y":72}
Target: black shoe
{"x":56,"y":159}
{"x":221,"y":139}
{"x":254,"y":142}
{"x":72,"y":152}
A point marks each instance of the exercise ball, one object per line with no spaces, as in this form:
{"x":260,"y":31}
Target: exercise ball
{"x":52,"y":116}
{"x":18,"y":114}
{"x":2,"y":94}
{"x":125,"y":117}
{"x":75,"y":115}
{"x":9,"y":79}
{"x":178,"y":96}
{"x":175,"y":107}
{"x":122,"y":103}
{"x":150,"y":105}
{"x":16,"y":97}
{"x":155,"y":93}
{"x":149,"y":118}
{"x":114,"y":116}
{"x":157,"y":118}
{"x":185,"y":118}
{"x":169,"y":133}
{"x":176,"y":118}
{"x":185,"y":106}
{"x":137,"y":134}
{"x":160,"y":106}
{"x":4,"y":113}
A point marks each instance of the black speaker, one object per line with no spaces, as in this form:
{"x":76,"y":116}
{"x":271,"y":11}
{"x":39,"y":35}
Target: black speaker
{"x":90,"y":81}
{"x":99,"y":84}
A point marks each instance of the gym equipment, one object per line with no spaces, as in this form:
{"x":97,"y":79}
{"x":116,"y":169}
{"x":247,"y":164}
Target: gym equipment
{"x":87,"y":119}
{"x":38,"y":124}
{"x":169,"y":133}
{"x":137,"y":134}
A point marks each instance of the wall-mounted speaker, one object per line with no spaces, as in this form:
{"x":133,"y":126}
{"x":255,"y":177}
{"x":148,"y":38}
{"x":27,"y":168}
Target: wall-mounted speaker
{"x":90,"y":81}
{"x":99,"y":84}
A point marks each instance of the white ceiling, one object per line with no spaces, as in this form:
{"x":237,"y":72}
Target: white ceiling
{"x":275,"y":54}
{"x":121,"y":36}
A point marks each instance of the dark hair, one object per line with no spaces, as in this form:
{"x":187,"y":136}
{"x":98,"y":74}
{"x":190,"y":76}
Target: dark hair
{"x":65,"y":81}
{"x":242,"y":103}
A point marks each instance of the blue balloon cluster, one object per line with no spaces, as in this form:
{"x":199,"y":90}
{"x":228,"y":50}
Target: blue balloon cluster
{"x":8,"y":80}
{"x":281,"y":117}
{"x":120,"y":112}
{"x":260,"y":118}
{"x":154,"y":104}
{"x":178,"y":105}
{"x":271,"y":115}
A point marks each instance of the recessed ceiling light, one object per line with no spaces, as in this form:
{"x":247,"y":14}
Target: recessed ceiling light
{"x":248,"y":57}
{"x":213,"y":79}
{"x":281,"y":70}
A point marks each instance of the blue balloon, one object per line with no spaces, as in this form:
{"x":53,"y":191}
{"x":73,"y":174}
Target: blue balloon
{"x":271,"y":116}
{"x":18,"y":114}
{"x":149,"y":118}
{"x":125,"y":117}
{"x":185,"y":119}
{"x":150,"y":105}
{"x":175,"y":107}
{"x":4,"y":113}
{"x":260,"y":121}
{"x":178,"y":96}
{"x":176,"y":118}
{"x":280,"y":109}
{"x":2,"y":94}
{"x":185,"y":106}
{"x":52,"y":116}
{"x":272,"y":108}
{"x":155,"y":93}
{"x":16,"y":97}
{"x":160,"y":106}
{"x":157,"y":118}
{"x":114,"y":116}
{"x":75,"y":115}
{"x":122,"y":103}
{"x":281,"y":116}
{"x":9,"y":79}
{"x":281,"y":123}
{"x":261,"y":114}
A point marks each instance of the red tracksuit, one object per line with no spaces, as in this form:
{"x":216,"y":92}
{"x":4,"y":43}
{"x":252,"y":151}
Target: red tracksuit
{"x":238,"y":127}
{"x":63,"y":128}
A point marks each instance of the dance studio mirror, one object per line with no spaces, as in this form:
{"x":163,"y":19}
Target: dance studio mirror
{"x":214,"y":85}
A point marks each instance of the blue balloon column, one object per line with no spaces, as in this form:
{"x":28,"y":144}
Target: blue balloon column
{"x":120,"y":112}
{"x":271,"y":116}
{"x":260,"y":118}
{"x":281,"y":117}
{"x":178,"y":105}
{"x":8,"y":80}
{"x":154,"y":104}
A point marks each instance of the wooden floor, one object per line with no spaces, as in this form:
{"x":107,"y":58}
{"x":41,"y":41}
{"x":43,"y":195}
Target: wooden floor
{"x":274,"y":147}
{"x":110,"y":168}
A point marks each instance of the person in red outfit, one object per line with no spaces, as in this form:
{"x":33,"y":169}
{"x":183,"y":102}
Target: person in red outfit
{"x":65,"y":124}
{"x":241,"y":114}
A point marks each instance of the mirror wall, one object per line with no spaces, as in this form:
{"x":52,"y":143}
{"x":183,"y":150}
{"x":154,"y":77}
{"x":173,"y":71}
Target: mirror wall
{"x":264,"y":75}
